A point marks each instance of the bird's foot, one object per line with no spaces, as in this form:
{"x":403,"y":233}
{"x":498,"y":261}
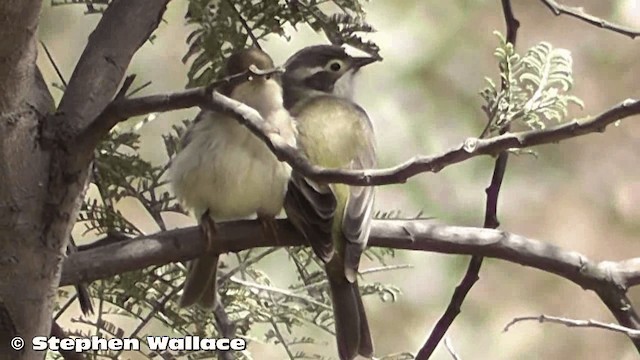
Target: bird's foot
{"x":269,"y":228}
{"x":208,"y":226}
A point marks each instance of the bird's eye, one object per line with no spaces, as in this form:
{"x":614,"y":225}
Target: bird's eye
{"x":335,"y":65}
{"x":267,"y":77}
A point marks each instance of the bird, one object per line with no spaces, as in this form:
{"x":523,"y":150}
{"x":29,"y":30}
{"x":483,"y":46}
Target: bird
{"x":225,"y":172}
{"x":82,"y":291}
{"x":335,"y":219}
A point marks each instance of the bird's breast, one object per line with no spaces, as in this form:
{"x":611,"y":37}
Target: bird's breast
{"x":229,"y":171}
{"x":332,"y":131}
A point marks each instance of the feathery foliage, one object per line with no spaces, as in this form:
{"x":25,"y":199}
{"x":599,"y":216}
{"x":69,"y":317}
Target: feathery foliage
{"x":226,"y":25}
{"x":535,"y":87}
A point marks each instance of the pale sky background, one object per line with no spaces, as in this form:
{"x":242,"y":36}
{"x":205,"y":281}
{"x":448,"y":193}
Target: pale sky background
{"x":583,"y":194}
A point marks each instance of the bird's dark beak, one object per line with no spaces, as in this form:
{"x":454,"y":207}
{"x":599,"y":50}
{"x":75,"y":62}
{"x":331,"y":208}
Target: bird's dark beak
{"x":358,"y":62}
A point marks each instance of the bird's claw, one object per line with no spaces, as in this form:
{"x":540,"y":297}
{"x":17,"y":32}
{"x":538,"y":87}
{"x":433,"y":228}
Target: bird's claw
{"x":209,"y":231}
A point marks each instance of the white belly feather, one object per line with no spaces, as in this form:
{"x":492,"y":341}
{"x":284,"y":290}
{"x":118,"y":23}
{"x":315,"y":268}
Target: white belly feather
{"x":229,"y":171}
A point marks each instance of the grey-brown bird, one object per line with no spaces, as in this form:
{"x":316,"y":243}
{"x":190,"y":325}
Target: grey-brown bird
{"x":224,"y":172}
{"x":334,"y":132}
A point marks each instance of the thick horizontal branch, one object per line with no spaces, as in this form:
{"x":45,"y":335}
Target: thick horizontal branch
{"x":578,"y":13}
{"x":470,"y":148}
{"x":105,"y":261}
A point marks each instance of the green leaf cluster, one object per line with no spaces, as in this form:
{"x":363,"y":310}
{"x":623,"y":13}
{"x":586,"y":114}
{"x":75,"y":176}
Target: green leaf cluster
{"x":223,"y":26}
{"x":534,"y":87}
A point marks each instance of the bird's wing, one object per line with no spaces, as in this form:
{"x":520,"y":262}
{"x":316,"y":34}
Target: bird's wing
{"x":357,"y":215}
{"x":310,"y":208}
{"x":188,"y":135}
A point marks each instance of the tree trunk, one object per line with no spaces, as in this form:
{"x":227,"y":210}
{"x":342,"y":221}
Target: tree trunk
{"x":45,"y":154}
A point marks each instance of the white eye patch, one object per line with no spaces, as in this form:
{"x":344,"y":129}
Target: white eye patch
{"x":303,"y":73}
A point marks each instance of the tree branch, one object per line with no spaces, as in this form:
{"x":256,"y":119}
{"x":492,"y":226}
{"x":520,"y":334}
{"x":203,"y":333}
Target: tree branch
{"x":123,"y":28}
{"x":578,"y":13}
{"x":245,"y":24}
{"x":450,"y":349}
{"x":608,"y":279}
{"x":57,"y":331}
{"x":632,"y":333}
{"x":617,"y":301}
{"x":116,"y":257}
{"x":472,"y":147}
{"x":490,"y":218}
{"x":17,"y":51}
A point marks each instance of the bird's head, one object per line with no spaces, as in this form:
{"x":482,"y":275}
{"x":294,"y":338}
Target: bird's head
{"x":322,"y":69}
{"x":260,"y":90}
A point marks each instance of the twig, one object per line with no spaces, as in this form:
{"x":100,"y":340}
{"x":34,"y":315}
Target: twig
{"x":632,"y":333}
{"x":65,"y":306}
{"x":323,"y":282}
{"x":452,"y":310}
{"x":278,"y":333}
{"x":245,"y":264}
{"x":286,"y":293}
{"x":578,"y":13}
{"x":225,"y":325}
{"x":385,"y":268}
{"x":57,"y":331}
{"x":245,"y":25}
{"x":139,"y":88}
{"x":150,"y":316}
{"x":450,"y":349}
{"x":54,"y":64}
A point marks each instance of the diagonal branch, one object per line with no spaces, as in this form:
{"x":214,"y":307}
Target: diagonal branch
{"x":472,"y":147}
{"x":123,"y":28}
{"x":472,"y":274}
{"x":580,"y":14}
{"x":617,"y":301}
{"x":245,"y":24}
{"x":122,"y":108}
{"x":57,"y":331}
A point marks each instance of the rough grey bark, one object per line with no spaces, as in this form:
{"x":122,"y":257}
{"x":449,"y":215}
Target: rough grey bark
{"x":43,"y":165}
{"x":27,"y":264}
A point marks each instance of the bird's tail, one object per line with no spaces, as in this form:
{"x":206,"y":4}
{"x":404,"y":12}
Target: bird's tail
{"x":352,"y":328}
{"x":84,"y":299}
{"x":200,"y":286}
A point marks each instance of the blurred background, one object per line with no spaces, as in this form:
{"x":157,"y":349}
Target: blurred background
{"x":582,"y":194}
